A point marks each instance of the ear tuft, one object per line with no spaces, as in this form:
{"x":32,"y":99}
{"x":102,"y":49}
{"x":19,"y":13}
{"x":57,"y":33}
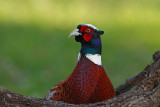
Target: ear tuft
{"x":101,"y":32}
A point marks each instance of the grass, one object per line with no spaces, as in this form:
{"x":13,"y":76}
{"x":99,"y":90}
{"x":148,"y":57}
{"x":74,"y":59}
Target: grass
{"x":36,"y":53}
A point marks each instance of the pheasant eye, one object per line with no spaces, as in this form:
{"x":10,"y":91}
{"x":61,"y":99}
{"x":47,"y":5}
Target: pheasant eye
{"x":88,"y":30}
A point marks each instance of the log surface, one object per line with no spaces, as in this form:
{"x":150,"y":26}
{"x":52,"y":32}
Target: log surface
{"x":142,"y":90}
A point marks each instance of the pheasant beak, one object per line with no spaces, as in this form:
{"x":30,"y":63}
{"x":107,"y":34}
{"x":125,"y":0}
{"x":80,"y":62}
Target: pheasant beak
{"x":75,"y":33}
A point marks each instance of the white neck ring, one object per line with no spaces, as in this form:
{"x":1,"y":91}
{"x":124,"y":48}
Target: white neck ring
{"x":95,"y":58}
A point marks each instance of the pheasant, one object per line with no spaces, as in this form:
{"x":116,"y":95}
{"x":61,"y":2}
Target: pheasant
{"x":88,"y":83}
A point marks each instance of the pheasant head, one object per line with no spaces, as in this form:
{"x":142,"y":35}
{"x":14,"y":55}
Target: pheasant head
{"x":89,"y":37}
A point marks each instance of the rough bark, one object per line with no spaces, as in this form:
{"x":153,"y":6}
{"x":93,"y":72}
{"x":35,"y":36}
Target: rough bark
{"x":146,"y":92}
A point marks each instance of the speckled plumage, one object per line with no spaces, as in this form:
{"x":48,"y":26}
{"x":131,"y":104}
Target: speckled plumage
{"x":88,"y":83}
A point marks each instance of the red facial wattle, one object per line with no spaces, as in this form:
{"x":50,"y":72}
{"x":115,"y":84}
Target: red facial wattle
{"x":88,"y":33}
{"x":87,"y":37}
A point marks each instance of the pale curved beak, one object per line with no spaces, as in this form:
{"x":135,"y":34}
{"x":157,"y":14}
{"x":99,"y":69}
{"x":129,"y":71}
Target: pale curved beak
{"x":75,"y":33}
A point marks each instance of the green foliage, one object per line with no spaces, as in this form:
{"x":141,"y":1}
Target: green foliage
{"x":36,"y":53}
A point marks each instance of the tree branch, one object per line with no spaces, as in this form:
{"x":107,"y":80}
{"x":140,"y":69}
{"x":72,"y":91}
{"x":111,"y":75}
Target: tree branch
{"x":145,"y":94}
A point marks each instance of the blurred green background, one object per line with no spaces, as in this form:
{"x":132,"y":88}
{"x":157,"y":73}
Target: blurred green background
{"x":36,"y":53}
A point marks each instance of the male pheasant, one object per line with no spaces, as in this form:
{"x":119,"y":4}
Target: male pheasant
{"x":88,"y":83}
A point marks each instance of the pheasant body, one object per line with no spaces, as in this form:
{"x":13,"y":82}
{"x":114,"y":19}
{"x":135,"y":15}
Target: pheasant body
{"x":88,"y":83}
